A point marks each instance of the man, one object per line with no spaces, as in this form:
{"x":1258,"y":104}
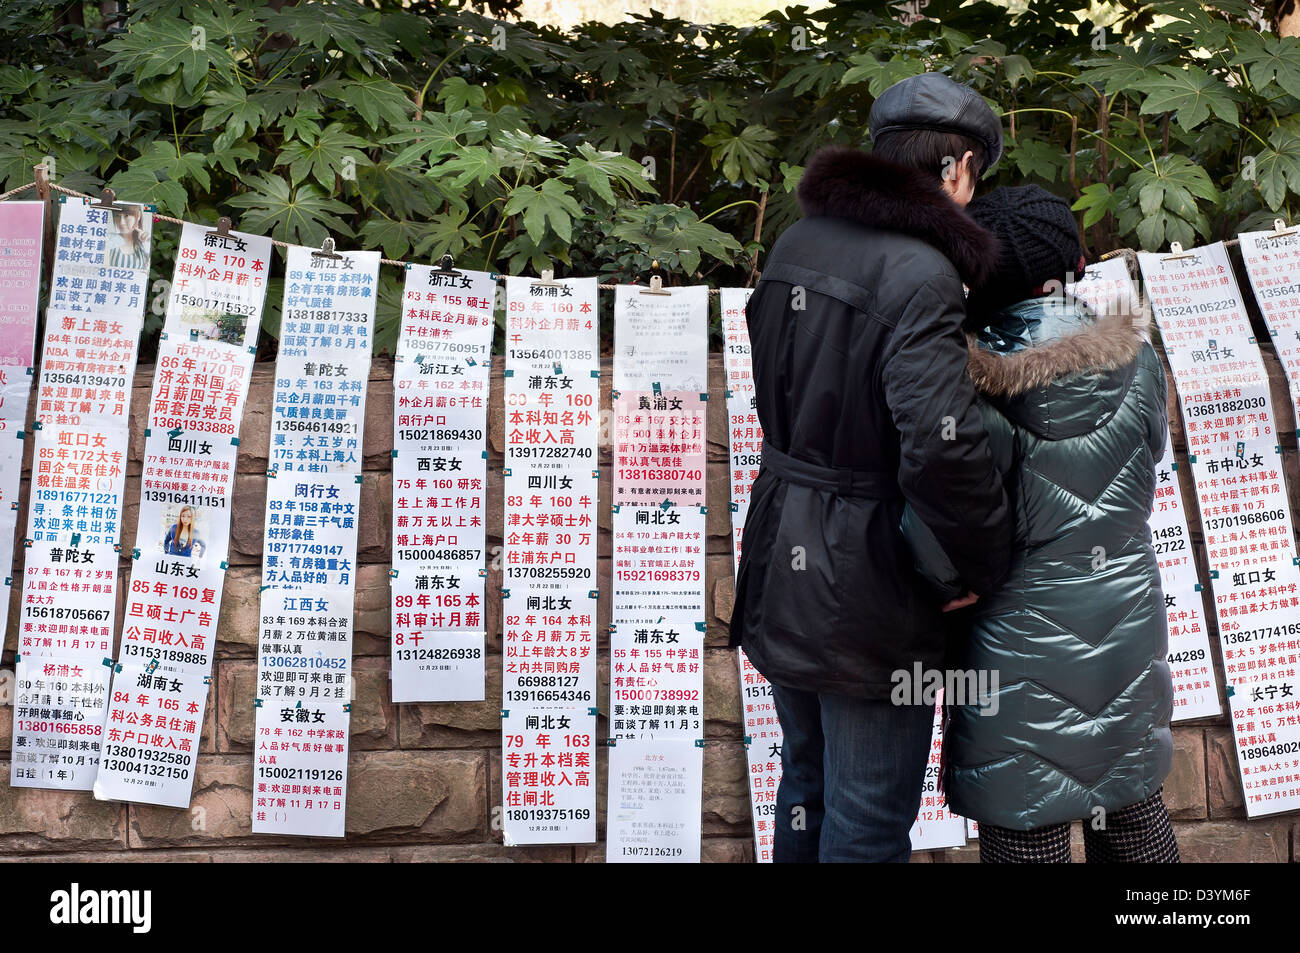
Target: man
{"x":865,"y":402}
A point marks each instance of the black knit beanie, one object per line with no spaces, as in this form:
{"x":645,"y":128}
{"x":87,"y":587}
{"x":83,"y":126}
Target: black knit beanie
{"x":1039,"y":242}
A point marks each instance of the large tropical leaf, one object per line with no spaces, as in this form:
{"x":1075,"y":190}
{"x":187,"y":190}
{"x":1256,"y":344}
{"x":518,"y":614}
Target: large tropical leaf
{"x":1190,"y":93}
{"x":744,"y":156}
{"x":305,"y":215}
{"x":325,"y":157}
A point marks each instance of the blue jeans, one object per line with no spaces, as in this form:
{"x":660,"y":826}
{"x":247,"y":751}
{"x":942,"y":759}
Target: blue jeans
{"x":852,"y":771}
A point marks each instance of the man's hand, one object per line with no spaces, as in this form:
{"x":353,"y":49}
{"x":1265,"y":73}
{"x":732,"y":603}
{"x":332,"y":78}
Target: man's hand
{"x":961,"y":602}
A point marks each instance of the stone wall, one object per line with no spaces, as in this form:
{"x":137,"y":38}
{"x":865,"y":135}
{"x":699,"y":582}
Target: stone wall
{"x":424,"y":779}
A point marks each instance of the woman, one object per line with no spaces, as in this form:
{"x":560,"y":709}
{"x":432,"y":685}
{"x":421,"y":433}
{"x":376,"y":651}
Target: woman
{"x":180,"y":540}
{"x":1075,"y":408}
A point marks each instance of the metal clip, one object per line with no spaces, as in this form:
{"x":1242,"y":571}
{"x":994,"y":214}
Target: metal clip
{"x":326,"y":250}
{"x":109,"y":201}
{"x":1279,"y":229}
{"x":656,"y":281}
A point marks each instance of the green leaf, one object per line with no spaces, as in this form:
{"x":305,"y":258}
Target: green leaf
{"x":662,"y":97}
{"x":1191,"y":94}
{"x":436,"y":135}
{"x":743,"y":157}
{"x":1095,"y":201}
{"x":1034,"y":156}
{"x":395,"y":237}
{"x":231,"y":111}
{"x":472,"y":164}
{"x":719,"y":107}
{"x":596,"y":169}
{"x":1277,"y":168}
{"x":228,"y":25}
{"x":608,"y":58}
{"x":448,"y":234}
{"x":325,"y":158}
{"x":236,"y":157}
{"x":675,"y":236}
{"x":880,"y":75}
{"x":301,"y":125}
{"x":373,"y":97}
{"x":790,"y":176}
{"x":456,"y":94}
{"x":345,"y":27}
{"x":166,"y":47}
{"x":143,"y":185}
{"x":550,"y":204}
{"x":814,"y":71}
{"x":1161,"y":204}
{"x":1122,"y":66}
{"x":526,"y":145}
{"x":1017,"y":68}
{"x":1270,"y":59}
{"x":305,"y":215}
{"x":162,"y":157}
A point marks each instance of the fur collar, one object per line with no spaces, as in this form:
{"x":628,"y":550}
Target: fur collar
{"x":843,"y":182}
{"x":1109,"y":343}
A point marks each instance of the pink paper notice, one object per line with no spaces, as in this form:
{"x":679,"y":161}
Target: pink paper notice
{"x":20,"y":280}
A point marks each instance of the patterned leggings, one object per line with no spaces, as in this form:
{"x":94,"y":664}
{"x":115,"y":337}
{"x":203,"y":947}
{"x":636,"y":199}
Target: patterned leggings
{"x":1137,"y":834}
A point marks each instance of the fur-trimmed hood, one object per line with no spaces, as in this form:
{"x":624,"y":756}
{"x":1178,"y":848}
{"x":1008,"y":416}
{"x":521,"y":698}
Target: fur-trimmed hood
{"x":1054,"y":365}
{"x":844,"y":182}
{"x":1108,"y":343}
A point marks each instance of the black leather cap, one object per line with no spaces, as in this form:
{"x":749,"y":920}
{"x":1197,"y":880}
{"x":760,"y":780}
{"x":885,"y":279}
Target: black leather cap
{"x":933,"y":101}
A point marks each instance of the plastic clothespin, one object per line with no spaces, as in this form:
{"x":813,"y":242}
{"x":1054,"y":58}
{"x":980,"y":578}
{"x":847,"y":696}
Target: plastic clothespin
{"x":1176,"y":252}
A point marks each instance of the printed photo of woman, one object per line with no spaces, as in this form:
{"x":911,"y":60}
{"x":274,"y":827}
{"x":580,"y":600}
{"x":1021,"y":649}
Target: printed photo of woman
{"x":128,"y":240}
{"x":182,"y":536}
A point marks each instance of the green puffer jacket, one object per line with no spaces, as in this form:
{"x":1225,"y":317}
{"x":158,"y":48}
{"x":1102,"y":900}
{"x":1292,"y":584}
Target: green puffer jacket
{"x":1079,"y":719}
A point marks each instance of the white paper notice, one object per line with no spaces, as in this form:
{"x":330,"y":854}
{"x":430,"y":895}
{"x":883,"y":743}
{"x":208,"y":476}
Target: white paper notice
{"x":151,"y":741}
{"x":936,"y":827}
{"x":548,"y":776}
{"x":440,"y":398}
{"x":763,"y":739}
{"x":654,"y":801}
{"x":304,"y":649}
{"x":1266,"y":724}
{"x":763,"y":736}
{"x":1106,"y":287}
{"x":78,"y":479}
{"x":1194,"y":296}
{"x":549,"y":595}
{"x":1273,"y":264}
{"x":1196,"y":690}
{"x":311,"y":530}
{"x":300,"y":769}
{"x":1196,"y":687}
{"x":172,"y":607}
{"x":219,"y":286}
{"x":68,"y":601}
{"x":59,"y":709}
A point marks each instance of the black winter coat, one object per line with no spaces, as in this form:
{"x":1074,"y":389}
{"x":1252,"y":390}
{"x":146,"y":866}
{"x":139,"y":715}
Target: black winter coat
{"x":865,"y":401}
